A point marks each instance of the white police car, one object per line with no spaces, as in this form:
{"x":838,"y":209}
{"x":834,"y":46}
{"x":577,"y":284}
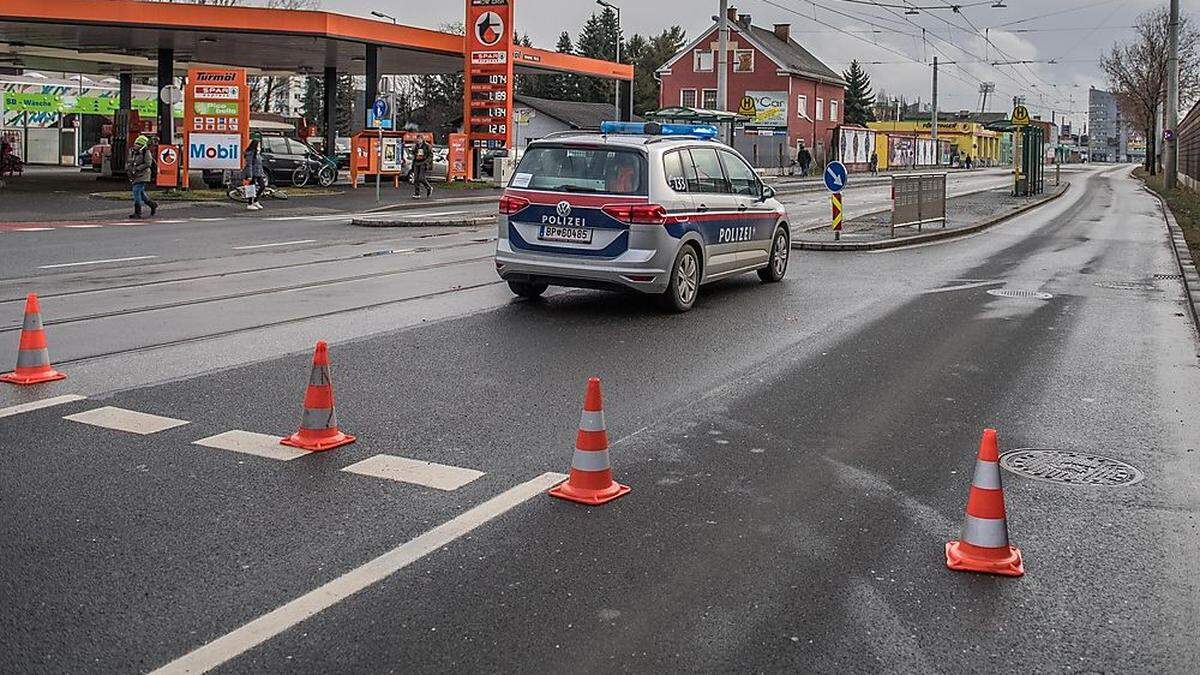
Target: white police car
{"x":659,"y":208}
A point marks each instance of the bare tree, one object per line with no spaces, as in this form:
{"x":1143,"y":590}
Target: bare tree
{"x":1137,"y":72}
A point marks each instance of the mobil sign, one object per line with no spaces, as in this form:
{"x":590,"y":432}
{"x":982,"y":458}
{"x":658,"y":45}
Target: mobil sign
{"x":214,"y":151}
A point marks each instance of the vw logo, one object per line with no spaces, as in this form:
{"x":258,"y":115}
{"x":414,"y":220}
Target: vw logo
{"x":564,"y":209}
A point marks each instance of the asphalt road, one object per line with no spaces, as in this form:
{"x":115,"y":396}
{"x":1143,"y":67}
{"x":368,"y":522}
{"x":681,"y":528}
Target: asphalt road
{"x":799,"y":454}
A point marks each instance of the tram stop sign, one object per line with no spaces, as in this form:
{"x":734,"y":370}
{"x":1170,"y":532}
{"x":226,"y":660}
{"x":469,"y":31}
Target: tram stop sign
{"x":835,"y":176}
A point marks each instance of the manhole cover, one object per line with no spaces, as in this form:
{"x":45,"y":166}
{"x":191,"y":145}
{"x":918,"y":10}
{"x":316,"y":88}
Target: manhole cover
{"x":1017,"y":293}
{"x":1126,"y":285}
{"x":1167,"y":277}
{"x":1071,"y":468}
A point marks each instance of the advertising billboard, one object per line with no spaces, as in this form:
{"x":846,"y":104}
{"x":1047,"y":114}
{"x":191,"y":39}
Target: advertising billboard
{"x":489,"y":69}
{"x":855,"y":145}
{"x":214,"y":151}
{"x":216,"y":124}
{"x":767,"y":110}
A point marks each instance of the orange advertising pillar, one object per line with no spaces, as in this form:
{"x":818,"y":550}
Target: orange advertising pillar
{"x":487,"y":104}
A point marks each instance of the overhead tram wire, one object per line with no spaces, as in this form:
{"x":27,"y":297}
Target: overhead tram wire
{"x":1055,"y":13}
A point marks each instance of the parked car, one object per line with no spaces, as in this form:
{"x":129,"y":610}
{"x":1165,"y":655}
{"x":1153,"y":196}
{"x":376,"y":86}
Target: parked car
{"x":281,"y":156}
{"x":92,"y":158}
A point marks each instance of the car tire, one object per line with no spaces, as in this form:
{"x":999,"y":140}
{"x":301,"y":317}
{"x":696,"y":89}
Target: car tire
{"x":777,"y":262}
{"x":684,"y":285}
{"x":527,"y":290}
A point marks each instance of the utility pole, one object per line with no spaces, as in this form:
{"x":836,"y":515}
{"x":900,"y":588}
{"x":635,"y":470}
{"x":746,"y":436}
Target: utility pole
{"x":1171,"y":142}
{"x":937,"y":155}
{"x":723,"y":57}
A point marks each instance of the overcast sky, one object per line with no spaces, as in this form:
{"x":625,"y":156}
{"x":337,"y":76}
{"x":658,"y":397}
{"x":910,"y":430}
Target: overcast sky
{"x":1075,"y":36}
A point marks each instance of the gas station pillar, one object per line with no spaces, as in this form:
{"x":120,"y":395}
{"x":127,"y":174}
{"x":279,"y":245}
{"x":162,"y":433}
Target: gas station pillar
{"x":166,"y":77}
{"x":331,"y":77}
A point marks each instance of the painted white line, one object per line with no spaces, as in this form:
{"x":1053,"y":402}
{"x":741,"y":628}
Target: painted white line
{"x":170,"y":222}
{"x":278,"y":243}
{"x":39,"y":404}
{"x":207,"y":220}
{"x":962,"y":287}
{"x":251,"y":443}
{"x":323,"y":597}
{"x":83,"y":227}
{"x":96,"y":262}
{"x":431,"y":213}
{"x":32,"y":229}
{"x":121,"y":419}
{"x":405,"y":470}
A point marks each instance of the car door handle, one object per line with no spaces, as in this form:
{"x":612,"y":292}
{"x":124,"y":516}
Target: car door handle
{"x":702,"y":208}
{"x":742,"y":207}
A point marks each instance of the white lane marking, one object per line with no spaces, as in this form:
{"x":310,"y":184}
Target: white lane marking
{"x":207,"y":220}
{"x":83,"y":227}
{"x":32,"y":229}
{"x":132,"y":421}
{"x":278,"y":243}
{"x":39,"y":404}
{"x":250,"y":443}
{"x":405,"y":470}
{"x":96,"y":262}
{"x":323,"y":597}
{"x":962,"y":287}
{"x":432,"y":213}
{"x":170,"y":222}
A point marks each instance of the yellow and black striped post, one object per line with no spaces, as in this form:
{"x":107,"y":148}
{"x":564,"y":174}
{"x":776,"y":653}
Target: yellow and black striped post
{"x":835,"y":199}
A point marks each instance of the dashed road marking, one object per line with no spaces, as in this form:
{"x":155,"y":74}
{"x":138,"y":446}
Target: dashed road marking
{"x":85,"y":226}
{"x":39,"y":404}
{"x":405,"y":470}
{"x":120,"y":419}
{"x":96,"y":262}
{"x":962,"y":287}
{"x":32,"y":229}
{"x":275,"y":622}
{"x":278,"y":243}
{"x":250,"y":443}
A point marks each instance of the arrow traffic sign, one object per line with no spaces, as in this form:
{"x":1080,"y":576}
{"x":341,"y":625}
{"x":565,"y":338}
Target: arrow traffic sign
{"x":835,"y":176}
{"x":836,"y":200}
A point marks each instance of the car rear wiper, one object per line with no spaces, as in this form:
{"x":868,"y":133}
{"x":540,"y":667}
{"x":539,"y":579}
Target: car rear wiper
{"x":571,"y":188}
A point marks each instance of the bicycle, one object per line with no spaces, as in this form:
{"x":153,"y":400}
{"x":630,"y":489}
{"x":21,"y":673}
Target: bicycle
{"x":324,"y":168}
{"x":237,"y":192}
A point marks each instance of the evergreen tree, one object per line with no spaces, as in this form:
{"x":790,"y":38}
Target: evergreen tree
{"x":647,"y":57}
{"x":312,"y":106}
{"x":525,"y":85}
{"x":598,"y":40}
{"x":859,"y":99}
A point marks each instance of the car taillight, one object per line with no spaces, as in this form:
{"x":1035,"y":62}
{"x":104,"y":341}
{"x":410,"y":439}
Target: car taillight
{"x":510,"y":205}
{"x":638,"y":214}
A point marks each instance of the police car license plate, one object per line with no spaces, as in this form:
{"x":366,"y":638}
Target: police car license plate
{"x":576,"y":235}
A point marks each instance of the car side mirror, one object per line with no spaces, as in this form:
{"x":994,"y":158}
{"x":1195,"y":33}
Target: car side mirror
{"x":768,"y":192}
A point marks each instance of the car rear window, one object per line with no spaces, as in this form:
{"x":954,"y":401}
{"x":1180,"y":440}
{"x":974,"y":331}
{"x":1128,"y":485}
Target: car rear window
{"x":566,"y":168}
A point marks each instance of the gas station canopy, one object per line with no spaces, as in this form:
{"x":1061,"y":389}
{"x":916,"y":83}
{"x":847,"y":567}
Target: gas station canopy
{"x":121,"y":36}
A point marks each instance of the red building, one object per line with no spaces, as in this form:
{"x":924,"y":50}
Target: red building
{"x":795,"y":97}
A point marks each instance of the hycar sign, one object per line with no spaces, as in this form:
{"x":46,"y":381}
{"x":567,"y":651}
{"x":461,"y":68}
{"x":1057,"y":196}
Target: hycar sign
{"x":214,"y":151}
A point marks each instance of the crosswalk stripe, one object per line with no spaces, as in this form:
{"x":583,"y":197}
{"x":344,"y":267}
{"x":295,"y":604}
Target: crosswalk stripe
{"x":250,"y":443}
{"x":39,"y":404}
{"x":405,"y":470}
{"x":120,"y":419}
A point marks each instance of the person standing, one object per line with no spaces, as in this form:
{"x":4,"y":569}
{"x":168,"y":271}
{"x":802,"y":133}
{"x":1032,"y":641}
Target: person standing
{"x":422,"y":158}
{"x":874,"y":163}
{"x":254,"y":171}
{"x":138,"y":168}
{"x":804,"y":159}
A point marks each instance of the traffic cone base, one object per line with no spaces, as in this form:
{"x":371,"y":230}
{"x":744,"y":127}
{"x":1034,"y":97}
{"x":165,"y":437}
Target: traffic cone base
{"x":306,"y":441}
{"x":603,"y":495}
{"x":36,"y":377}
{"x":965,"y":557}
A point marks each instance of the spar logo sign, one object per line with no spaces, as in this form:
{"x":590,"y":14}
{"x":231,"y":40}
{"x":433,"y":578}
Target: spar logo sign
{"x":214,"y":151}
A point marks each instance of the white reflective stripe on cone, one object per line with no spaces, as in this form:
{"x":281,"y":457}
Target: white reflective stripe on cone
{"x":318,"y":418}
{"x":319,"y":376}
{"x":987,"y":475}
{"x":28,"y":358}
{"x":985,"y":532}
{"x":590,"y":460}
{"x":591,"y":420}
{"x":32,"y":322}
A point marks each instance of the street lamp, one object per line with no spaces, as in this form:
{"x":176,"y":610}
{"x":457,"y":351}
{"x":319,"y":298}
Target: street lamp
{"x":381,"y":15}
{"x":609,"y":5}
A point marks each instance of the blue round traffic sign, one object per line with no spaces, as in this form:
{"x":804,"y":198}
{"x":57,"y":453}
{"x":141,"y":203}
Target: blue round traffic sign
{"x":380,"y":108}
{"x":835,"y":176}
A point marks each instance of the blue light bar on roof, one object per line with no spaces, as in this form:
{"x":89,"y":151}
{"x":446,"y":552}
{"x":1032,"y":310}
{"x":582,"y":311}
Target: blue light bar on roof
{"x":706,"y":131}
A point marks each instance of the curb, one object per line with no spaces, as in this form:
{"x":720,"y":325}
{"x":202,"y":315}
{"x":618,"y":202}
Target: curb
{"x":461,"y":222}
{"x":922,"y":238}
{"x":1183,"y":256}
{"x":450,"y":201}
{"x":818,"y":228}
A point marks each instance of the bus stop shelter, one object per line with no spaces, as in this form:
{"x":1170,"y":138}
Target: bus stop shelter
{"x":125,"y":38}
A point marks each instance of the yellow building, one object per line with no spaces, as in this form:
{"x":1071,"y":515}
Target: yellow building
{"x":967,"y":138}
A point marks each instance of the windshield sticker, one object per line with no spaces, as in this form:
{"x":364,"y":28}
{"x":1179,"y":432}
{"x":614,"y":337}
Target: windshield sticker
{"x":521,"y":180}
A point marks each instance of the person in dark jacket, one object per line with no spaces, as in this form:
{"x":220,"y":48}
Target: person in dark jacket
{"x":138,"y":168}
{"x":254,"y":172}
{"x":874,"y":163}
{"x":422,"y":159}
{"x":804,"y":159}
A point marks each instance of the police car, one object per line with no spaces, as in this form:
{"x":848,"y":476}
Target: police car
{"x":658,"y":208}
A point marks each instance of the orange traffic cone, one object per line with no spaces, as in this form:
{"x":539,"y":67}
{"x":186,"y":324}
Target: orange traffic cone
{"x":591,"y":480}
{"x":318,"y":424}
{"x":33,"y":359}
{"x":984,"y":545}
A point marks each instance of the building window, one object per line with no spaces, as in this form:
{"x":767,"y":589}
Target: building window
{"x":820,"y":108}
{"x":702,"y":61}
{"x":743,"y":60}
{"x":709,"y":101}
{"x":802,"y":106}
{"x":833,"y":111}
{"x":687,"y":98}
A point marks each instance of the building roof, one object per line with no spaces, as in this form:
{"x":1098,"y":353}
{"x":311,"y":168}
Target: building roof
{"x":575,"y":114}
{"x":788,"y":54}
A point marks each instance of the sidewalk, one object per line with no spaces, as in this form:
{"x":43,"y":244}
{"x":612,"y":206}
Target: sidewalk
{"x":964,"y":214}
{"x":792,"y":184}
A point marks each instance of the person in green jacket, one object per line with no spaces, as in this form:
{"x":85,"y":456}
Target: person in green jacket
{"x":138,"y":167}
